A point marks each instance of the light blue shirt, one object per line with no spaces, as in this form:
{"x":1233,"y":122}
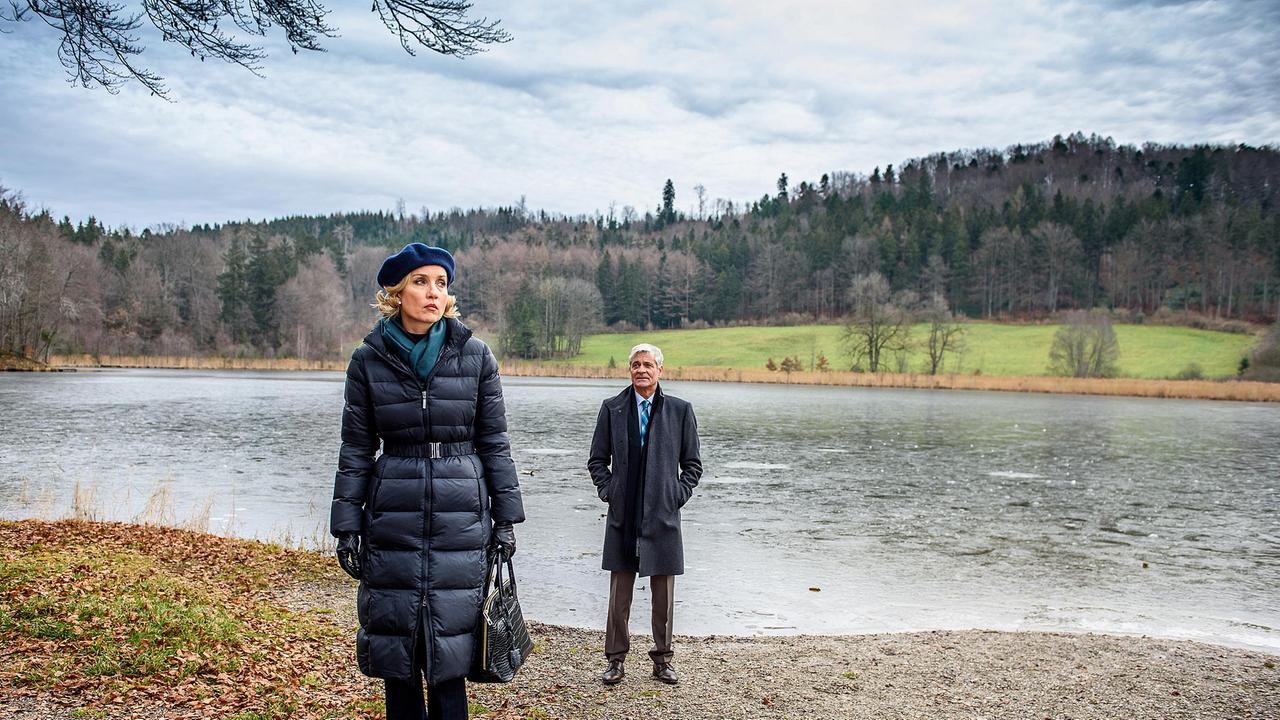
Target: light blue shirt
{"x":640,"y":399}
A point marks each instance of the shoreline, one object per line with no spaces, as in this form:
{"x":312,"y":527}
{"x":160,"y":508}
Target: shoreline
{"x":287,"y":650}
{"x":1235,"y":390}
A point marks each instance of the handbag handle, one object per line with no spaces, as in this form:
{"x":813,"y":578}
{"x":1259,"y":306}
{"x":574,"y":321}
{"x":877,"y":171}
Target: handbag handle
{"x":493,"y":578}
{"x":511,"y":570}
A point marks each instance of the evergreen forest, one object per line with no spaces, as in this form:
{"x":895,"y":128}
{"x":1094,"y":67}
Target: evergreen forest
{"x":1157,"y":233}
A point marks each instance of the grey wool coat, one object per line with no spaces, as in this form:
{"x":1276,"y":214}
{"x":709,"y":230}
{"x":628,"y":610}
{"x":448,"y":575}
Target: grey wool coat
{"x":425,"y":521}
{"x":672,"y":470}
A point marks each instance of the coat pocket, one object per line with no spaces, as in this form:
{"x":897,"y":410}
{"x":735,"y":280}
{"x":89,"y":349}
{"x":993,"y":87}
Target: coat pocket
{"x":684,"y":494}
{"x":606,"y":491}
{"x":372,"y":504}
{"x":369,"y":513}
{"x":379,"y":470}
{"x":362,"y":605}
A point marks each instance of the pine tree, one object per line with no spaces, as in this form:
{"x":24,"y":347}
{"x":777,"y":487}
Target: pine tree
{"x":522,"y":323}
{"x":233,"y":292}
{"x":667,"y":215}
{"x":268,"y":268}
{"x":606,"y":283}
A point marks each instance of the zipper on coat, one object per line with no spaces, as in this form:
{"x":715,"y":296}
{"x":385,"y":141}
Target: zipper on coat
{"x":425,"y":613}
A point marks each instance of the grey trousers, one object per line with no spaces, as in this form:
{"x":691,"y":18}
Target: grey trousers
{"x":617,"y":638}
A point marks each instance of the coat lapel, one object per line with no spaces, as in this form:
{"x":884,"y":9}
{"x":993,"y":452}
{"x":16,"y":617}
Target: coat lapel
{"x":656,"y":411}
{"x":618,"y":428}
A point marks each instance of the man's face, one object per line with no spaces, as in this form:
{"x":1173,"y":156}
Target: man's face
{"x":645,"y":373}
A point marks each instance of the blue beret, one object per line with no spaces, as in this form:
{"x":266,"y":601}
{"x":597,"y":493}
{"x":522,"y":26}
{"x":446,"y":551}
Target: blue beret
{"x":413,"y":256}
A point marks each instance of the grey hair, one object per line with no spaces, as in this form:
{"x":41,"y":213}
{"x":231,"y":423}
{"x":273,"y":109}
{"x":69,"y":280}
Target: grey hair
{"x":646,"y":347}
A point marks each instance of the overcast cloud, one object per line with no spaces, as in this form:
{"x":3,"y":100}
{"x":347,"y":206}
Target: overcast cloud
{"x":598,"y":103}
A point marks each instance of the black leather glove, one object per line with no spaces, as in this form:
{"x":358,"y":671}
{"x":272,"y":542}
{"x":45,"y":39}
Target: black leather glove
{"x":504,"y":536}
{"x":349,"y":554}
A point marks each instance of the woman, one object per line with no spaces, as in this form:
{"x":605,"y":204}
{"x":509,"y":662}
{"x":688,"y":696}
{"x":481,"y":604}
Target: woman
{"x":414,"y":525}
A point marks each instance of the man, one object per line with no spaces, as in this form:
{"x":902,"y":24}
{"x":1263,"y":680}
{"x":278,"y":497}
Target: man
{"x":645,"y":464}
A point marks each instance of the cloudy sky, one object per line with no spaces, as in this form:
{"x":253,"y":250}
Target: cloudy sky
{"x":595,"y":103}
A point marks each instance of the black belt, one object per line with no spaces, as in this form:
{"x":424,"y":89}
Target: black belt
{"x":429,"y":450}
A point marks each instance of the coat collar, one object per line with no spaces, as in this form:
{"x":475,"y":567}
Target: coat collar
{"x":621,"y":400}
{"x":458,"y":336}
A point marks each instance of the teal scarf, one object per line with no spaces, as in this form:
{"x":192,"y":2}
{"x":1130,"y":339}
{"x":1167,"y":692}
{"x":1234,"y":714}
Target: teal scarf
{"x":422,"y":355}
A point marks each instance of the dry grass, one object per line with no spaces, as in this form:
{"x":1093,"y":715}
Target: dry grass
{"x":1136,"y":387}
{"x":194,"y":363}
{"x":10,"y":361}
{"x":110,"y":618}
{"x":100,"y":501}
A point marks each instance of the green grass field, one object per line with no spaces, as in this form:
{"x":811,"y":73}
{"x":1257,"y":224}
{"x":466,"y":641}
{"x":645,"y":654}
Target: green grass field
{"x":1146,"y":351}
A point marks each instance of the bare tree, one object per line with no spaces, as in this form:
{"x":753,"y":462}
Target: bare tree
{"x":1060,"y":250}
{"x":311,"y":310}
{"x":362,"y":272}
{"x":139,"y":305}
{"x":876,"y":325}
{"x":1085,"y":346}
{"x":946,"y":333}
{"x":933,"y":278}
{"x":100,"y":40}
{"x":549,"y":319}
{"x":41,"y":277}
{"x":555,"y":310}
{"x":585,"y":313}
{"x":15,"y":283}
{"x":188,"y":271}
{"x":862,"y":254}
{"x":1001,"y":275}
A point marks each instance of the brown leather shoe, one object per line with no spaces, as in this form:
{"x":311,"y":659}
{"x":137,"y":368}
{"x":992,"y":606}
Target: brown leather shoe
{"x":613,"y":674}
{"x":665,"y":673}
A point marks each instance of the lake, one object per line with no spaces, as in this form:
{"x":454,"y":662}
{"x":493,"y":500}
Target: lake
{"x":822,"y":510}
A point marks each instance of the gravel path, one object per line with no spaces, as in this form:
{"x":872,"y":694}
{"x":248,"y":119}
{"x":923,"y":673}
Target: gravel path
{"x":970,"y":674}
{"x":967,"y":675}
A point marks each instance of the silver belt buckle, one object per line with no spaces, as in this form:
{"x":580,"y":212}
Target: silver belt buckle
{"x":435,"y":450}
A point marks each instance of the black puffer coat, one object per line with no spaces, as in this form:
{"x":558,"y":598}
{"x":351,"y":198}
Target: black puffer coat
{"x":425,"y":522}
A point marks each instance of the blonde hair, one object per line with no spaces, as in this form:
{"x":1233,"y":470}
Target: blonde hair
{"x":387,"y":300}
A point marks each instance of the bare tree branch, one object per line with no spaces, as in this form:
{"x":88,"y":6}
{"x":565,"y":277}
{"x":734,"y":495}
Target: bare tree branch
{"x":100,"y":44}
{"x":1085,"y":346}
{"x":441,"y":26}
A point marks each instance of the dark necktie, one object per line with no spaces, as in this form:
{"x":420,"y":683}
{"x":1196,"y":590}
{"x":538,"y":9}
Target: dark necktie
{"x":644,"y":420}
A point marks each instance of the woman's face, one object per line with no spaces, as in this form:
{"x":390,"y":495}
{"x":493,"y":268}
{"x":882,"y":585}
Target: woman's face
{"x":423,"y":300}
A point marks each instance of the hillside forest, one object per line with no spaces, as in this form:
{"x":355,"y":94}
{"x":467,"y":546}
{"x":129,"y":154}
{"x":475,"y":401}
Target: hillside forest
{"x":1150,"y":233}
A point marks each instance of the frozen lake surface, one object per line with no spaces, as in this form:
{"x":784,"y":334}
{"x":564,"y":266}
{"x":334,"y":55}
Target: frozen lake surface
{"x":822,"y":510}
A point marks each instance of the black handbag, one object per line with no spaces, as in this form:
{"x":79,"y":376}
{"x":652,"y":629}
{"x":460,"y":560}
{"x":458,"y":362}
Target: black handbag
{"x":502,"y":640}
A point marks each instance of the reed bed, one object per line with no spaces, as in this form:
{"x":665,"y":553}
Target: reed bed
{"x":194,"y":363}
{"x":21,"y":363}
{"x":1136,"y":387}
{"x":108,"y":502}
{"x":1241,"y":390}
